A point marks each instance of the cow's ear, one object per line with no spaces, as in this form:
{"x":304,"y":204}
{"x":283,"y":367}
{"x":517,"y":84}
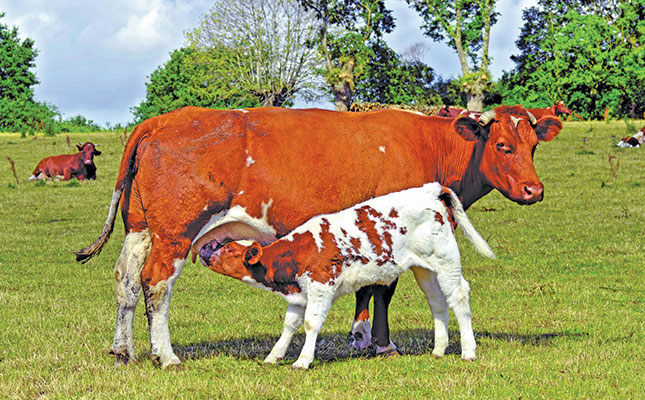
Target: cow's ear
{"x":253,"y":253}
{"x":547,"y":128}
{"x":79,"y":147}
{"x":469,"y":129}
{"x":96,"y":152}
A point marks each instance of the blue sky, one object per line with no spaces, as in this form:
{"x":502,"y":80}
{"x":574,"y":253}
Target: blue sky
{"x":95,"y":56}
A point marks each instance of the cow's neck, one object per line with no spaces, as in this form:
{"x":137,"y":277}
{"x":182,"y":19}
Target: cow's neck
{"x":458,"y":166}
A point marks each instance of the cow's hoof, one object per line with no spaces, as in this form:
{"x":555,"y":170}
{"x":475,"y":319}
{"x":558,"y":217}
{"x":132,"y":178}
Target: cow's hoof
{"x":171,"y":362}
{"x":469,"y":356}
{"x":388,"y":351}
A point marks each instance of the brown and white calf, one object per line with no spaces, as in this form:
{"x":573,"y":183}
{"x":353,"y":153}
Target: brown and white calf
{"x":370,"y":243}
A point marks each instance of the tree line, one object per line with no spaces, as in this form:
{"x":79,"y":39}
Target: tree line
{"x":267,"y":52}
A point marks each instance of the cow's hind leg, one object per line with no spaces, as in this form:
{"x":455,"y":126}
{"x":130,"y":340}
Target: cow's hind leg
{"x":158,"y":277}
{"x":428,"y":283}
{"x":128,"y":290}
{"x":292,"y":321}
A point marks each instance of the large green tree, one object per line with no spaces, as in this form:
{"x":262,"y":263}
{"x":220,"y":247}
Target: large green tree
{"x":466,"y":27}
{"x":183,"y":81}
{"x":19,"y":112}
{"x":263,"y":47}
{"x":590,"y":57}
{"x":347,"y":31}
{"x":393,"y":79}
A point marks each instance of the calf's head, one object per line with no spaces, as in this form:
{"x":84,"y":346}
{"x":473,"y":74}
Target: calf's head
{"x":88,"y":151}
{"x":508,"y":137}
{"x":232,"y":259}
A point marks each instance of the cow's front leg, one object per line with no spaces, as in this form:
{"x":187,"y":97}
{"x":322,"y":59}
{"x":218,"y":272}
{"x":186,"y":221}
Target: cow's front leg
{"x":360,"y":332}
{"x":128,"y":290}
{"x":428,"y":283}
{"x":292,"y":321}
{"x":158,"y":278}
{"x":380,"y":327}
{"x":319,"y":302}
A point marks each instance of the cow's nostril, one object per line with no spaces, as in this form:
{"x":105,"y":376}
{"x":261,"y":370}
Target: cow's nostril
{"x":358,"y":336}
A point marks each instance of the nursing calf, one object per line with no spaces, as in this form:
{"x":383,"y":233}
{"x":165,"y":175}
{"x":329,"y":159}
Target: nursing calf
{"x":370,"y":243}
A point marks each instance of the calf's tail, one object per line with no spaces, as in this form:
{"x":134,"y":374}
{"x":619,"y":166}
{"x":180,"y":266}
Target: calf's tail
{"x":469,"y":230}
{"x":124,"y":180}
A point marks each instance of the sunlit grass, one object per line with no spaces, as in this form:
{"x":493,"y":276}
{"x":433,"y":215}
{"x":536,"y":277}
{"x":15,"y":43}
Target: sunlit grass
{"x":559,"y":314}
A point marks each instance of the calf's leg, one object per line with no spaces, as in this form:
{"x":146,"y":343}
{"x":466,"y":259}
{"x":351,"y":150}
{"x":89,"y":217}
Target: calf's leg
{"x":429,"y":284}
{"x":319,"y":300}
{"x":292,"y":321}
{"x":456,"y":289}
{"x":128,"y":290}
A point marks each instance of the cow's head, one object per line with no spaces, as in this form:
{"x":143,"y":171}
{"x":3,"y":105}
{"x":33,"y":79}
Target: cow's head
{"x":232,"y":259}
{"x":88,"y":151}
{"x":508,"y":137}
{"x":561,"y":109}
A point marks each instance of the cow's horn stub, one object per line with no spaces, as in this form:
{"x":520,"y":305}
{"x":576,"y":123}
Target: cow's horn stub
{"x":486,"y":117}
{"x":532,"y":118}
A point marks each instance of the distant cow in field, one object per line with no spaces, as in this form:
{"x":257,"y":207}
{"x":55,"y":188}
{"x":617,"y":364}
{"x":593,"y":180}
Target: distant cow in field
{"x":635,"y":141}
{"x":557,"y":110}
{"x":372,"y":242}
{"x":260,"y":173}
{"x":67,"y":166}
{"x":449,"y":112}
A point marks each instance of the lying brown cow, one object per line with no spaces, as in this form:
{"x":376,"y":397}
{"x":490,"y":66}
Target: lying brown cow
{"x":372,"y":242}
{"x":557,"y":110}
{"x":67,"y":166}
{"x":260,"y":173}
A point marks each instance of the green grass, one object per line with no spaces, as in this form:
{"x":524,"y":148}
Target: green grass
{"x":559,"y":314}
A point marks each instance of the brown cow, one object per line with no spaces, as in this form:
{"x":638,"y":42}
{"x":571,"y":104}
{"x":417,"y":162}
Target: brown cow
{"x":558,"y":109}
{"x":67,"y":166}
{"x":260,"y":173}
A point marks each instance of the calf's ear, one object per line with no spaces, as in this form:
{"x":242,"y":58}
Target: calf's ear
{"x":469,"y":129}
{"x":252,"y":253}
{"x":547,"y":128}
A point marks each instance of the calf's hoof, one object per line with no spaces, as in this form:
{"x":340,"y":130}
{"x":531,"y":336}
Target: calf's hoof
{"x":468,"y":356}
{"x":300,"y":365}
{"x":438,"y":353}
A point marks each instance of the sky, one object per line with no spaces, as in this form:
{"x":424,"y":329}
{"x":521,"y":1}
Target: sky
{"x":95,"y":56}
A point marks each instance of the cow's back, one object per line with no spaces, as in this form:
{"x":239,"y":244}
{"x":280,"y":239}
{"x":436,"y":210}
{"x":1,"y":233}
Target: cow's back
{"x":279,"y":164}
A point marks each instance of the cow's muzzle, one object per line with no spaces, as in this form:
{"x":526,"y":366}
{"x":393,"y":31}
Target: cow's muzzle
{"x":532,"y":193}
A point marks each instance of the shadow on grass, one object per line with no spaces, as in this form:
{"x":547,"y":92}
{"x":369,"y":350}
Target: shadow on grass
{"x":338,"y":347}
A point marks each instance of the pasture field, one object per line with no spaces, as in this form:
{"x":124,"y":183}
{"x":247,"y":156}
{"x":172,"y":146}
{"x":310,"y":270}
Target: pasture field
{"x":559,"y":314}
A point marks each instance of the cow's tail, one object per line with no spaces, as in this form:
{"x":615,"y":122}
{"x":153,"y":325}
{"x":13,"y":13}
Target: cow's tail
{"x":469,"y":230}
{"x":127,"y":171}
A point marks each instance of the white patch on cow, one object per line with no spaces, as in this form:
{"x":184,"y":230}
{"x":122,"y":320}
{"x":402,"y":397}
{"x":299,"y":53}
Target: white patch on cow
{"x":241,"y":192}
{"x":249,"y":161}
{"x":381,"y":149}
{"x":33,"y":178}
{"x":515,"y":120}
{"x":205,"y":208}
{"x":293,"y":298}
{"x":242,"y":110}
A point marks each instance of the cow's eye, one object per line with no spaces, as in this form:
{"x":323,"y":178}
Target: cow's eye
{"x":503,"y":147}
